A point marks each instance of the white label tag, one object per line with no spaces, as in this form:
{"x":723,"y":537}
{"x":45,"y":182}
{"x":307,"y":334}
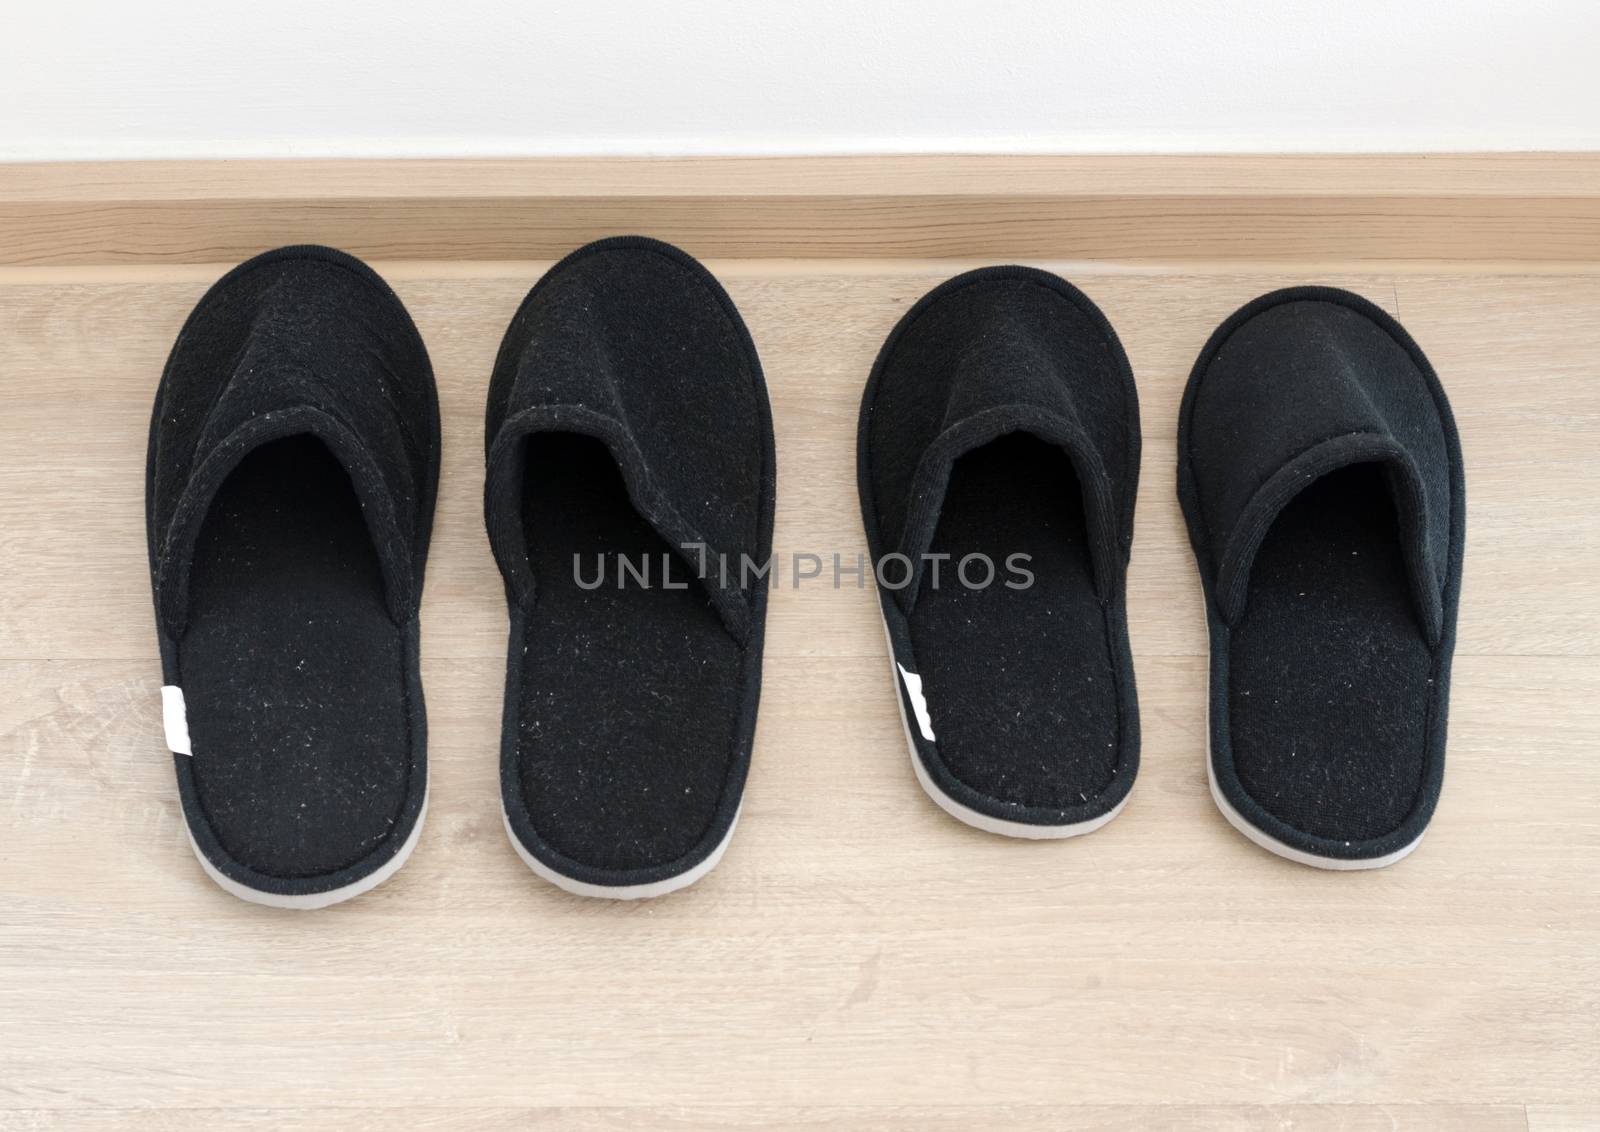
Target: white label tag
{"x":175,"y":718}
{"x":919,"y":706}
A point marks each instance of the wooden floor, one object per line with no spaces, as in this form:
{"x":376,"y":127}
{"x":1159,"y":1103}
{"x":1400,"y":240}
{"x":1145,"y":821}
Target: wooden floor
{"x":859,"y":959}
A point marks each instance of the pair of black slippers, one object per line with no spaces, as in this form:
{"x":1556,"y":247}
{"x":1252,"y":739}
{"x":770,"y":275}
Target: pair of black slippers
{"x":292,"y":470}
{"x":629,"y":495}
{"x":1321,"y":478}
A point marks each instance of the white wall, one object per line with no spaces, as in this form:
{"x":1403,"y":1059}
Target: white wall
{"x":172,"y":78}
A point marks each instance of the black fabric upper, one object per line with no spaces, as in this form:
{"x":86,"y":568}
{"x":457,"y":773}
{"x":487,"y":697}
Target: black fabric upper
{"x":301,"y":340}
{"x":1297,"y":391}
{"x":1007,"y":352}
{"x":615,"y":343}
{"x":1321,"y":479}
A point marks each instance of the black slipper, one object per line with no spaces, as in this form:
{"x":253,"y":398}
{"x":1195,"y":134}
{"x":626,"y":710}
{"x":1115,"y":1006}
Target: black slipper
{"x":1001,"y":421}
{"x":629,"y":503}
{"x":294,"y":453}
{"x":1321,"y":478}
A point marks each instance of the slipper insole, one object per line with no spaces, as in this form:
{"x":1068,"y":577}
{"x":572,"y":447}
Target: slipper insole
{"x":292,"y":669}
{"x":1329,"y":673}
{"x":1020,"y":683}
{"x":630,"y":690}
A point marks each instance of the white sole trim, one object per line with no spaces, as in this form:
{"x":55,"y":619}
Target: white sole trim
{"x":962,"y":813}
{"x":313,"y":900}
{"x":1289,"y":852}
{"x":621,"y":891}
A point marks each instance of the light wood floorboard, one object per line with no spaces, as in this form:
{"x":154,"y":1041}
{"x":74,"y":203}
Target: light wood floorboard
{"x":858,"y":959}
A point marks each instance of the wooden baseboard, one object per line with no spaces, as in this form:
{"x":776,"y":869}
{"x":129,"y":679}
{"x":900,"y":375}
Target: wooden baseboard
{"x":1345,"y":209}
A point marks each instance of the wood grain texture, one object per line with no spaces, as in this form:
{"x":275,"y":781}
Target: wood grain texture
{"x":1563,"y":1118}
{"x":1351,"y":209}
{"x":907,"y":1118}
{"x":858,"y":959}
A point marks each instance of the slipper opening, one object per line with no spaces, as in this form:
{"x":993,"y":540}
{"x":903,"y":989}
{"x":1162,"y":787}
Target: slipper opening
{"x":293,"y":669}
{"x":629,"y":683}
{"x":1330,"y":675}
{"x":1019,"y":674}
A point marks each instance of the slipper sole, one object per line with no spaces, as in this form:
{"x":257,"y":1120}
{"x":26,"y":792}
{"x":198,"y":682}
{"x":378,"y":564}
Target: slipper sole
{"x":306,"y":902}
